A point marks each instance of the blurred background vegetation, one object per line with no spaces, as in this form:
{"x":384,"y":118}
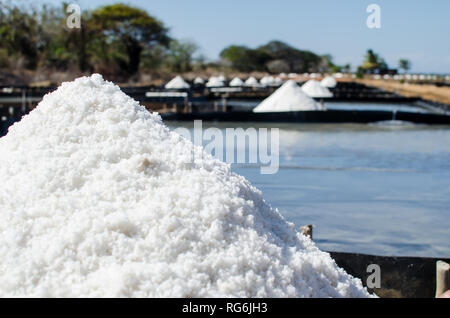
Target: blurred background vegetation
{"x":128,"y":44}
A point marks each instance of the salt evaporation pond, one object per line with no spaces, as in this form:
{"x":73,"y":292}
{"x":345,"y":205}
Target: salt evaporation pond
{"x":378,"y":189}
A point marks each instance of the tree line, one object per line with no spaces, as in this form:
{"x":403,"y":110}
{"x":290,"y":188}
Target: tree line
{"x":121,"y":40}
{"x":113,"y":39}
{"x":278,"y":57}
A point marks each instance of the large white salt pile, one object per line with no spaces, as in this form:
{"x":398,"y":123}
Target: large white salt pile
{"x":329,"y":82}
{"x":289,"y":97}
{"x":312,"y":88}
{"x":98,"y":198}
{"x":236,"y":82}
{"x":177,"y":83}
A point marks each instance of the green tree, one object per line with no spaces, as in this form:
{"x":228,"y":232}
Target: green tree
{"x":180,"y":55}
{"x":371,"y":60}
{"x":274,"y":57}
{"x":404,"y":64}
{"x":82,"y":41}
{"x":55,"y":49}
{"x":347,"y":68}
{"x":129,"y":28}
{"x":298,"y":60}
{"x":19,"y":34}
{"x":243,"y":58}
{"x":153,"y":58}
{"x":373,"y":63}
{"x":328,"y":65}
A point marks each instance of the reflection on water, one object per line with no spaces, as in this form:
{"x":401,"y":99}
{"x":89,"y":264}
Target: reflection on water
{"x":379,"y":189}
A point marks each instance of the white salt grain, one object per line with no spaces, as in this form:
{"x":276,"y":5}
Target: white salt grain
{"x":96,"y":199}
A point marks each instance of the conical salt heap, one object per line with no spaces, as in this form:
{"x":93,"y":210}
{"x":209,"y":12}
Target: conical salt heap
{"x":251,"y":81}
{"x":312,"y":88}
{"x":329,"y":82}
{"x":97,"y":199}
{"x":289,"y":97}
{"x":177,"y":83}
{"x":235,"y":82}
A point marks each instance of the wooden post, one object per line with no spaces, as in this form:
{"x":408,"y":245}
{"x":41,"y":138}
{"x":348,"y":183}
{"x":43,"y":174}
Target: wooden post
{"x":224,"y":104}
{"x":23,"y":97}
{"x":442,"y":278}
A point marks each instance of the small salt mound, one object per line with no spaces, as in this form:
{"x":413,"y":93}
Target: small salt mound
{"x":288,"y":97}
{"x":215,"y":82}
{"x":98,"y":199}
{"x":277,"y":81}
{"x":267,"y":80}
{"x":177,"y":83}
{"x":236,"y":82}
{"x":271,"y":81}
{"x":199,"y":80}
{"x":328,"y":82}
{"x":312,"y":88}
{"x":251,"y":81}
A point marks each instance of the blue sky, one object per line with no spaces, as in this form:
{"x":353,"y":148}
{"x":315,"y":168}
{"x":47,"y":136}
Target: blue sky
{"x":415,"y":29}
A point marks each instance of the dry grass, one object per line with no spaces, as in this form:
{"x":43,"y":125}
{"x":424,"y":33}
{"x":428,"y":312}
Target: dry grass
{"x":428,"y":92}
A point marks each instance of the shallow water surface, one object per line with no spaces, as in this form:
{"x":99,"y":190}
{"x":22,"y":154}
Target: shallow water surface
{"x":380,"y":189}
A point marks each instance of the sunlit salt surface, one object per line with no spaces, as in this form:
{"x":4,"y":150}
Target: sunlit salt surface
{"x":98,"y":198}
